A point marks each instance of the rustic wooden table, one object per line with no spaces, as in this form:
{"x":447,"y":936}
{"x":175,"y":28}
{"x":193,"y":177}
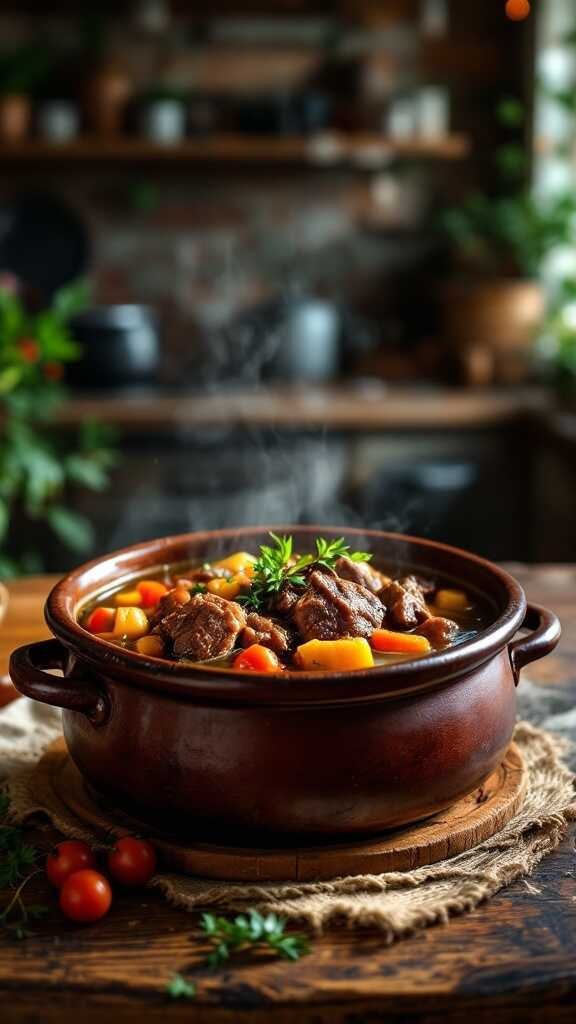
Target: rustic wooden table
{"x":511,"y":960}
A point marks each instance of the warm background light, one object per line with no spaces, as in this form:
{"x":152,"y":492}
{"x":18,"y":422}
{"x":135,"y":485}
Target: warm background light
{"x":517,"y":10}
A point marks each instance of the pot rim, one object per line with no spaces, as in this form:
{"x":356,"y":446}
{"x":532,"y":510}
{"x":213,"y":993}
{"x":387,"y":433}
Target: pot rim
{"x":205,"y":682}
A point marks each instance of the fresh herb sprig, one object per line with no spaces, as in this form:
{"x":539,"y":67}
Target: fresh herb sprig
{"x":277,"y":566}
{"x":17,"y":857}
{"x":17,"y":866}
{"x":179,"y":988}
{"x":248,"y":931}
{"x":329,"y":551}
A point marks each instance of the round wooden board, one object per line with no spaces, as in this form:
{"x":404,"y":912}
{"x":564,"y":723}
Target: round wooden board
{"x":470,"y":821}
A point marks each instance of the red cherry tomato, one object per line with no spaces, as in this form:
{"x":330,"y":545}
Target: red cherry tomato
{"x":66,"y":858}
{"x":85,"y":896}
{"x":132,"y":861}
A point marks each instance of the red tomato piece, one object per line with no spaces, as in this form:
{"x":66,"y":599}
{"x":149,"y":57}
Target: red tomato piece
{"x":85,"y":896}
{"x":151,"y":591}
{"x":257,"y":658}
{"x":101,"y":620}
{"x":66,"y":858}
{"x":132,"y":861}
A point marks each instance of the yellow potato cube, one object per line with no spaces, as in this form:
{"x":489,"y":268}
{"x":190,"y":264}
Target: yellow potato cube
{"x":128,"y":599}
{"x":150,"y":645}
{"x":452,"y":600}
{"x":237,"y":562}
{"x":131,"y":622}
{"x":335,"y":655}
{"x":229,"y":588}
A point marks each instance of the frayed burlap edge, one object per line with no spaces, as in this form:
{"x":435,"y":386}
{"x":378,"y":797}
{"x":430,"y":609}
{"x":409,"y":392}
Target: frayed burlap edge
{"x":397,"y":903}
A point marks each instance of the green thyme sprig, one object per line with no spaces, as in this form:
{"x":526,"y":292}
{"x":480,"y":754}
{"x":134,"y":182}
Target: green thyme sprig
{"x":179,"y":988}
{"x":248,"y":931}
{"x":17,"y":857}
{"x":17,"y":867}
{"x":277,"y":566}
{"x":252,"y":931}
{"x":329,"y":551}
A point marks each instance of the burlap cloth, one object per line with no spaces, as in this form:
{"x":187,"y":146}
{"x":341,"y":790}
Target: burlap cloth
{"x":398,"y":903}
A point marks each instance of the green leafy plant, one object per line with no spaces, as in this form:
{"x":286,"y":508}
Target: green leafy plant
{"x":38,"y":465}
{"x":512,"y":232}
{"x":249,"y":931}
{"x":17,"y":867}
{"x":558,"y":342}
{"x":277,"y":566}
{"x":23,"y":69}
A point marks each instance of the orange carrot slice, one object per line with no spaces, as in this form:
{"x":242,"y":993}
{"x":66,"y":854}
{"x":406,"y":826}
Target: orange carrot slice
{"x":150,"y":592}
{"x":101,"y":620}
{"x":257,"y":659}
{"x":387,"y":642}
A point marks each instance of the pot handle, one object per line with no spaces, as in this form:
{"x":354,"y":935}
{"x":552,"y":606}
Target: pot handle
{"x":546,"y":634}
{"x":28,"y":666}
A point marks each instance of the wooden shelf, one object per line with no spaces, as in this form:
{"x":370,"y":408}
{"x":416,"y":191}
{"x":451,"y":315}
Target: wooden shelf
{"x":342,"y":407}
{"x":326,"y":150}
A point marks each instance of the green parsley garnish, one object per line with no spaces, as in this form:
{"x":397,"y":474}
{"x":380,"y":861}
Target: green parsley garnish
{"x":277,"y":566}
{"x":247,"y":931}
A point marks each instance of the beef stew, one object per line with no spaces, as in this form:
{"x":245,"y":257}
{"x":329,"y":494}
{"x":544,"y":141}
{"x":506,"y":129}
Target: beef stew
{"x":279,"y":611}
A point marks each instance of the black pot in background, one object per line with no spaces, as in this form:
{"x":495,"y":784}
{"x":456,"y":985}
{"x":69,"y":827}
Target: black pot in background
{"x":120,"y":347}
{"x":284,"y":113}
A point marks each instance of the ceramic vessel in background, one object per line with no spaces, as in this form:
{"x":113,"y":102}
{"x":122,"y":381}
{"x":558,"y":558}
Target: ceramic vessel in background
{"x":500,"y":318}
{"x":15,"y":116}
{"x":120,"y":346}
{"x":212,"y":752}
{"x":58,"y":121}
{"x":163,"y":121}
{"x":106,"y":96}
{"x":307,"y":343}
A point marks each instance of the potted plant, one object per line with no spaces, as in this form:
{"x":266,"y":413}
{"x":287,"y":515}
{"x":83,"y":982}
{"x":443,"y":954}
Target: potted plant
{"x":163,"y":115}
{"x":39,"y":464}
{"x":494,"y":308}
{"x":557,"y":347}
{"x":21,"y":70}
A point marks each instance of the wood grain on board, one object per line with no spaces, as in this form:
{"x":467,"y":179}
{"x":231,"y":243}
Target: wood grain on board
{"x":471,"y":820}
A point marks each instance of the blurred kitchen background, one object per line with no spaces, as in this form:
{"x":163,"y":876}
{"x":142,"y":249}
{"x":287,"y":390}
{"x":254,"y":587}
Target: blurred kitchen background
{"x":297,"y":261}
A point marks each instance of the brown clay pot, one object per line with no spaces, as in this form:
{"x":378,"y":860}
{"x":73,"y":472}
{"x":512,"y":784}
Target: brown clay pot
{"x":210,"y":752}
{"x":491,"y":326}
{"x":106,"y":96}
{"x":15,"y":114}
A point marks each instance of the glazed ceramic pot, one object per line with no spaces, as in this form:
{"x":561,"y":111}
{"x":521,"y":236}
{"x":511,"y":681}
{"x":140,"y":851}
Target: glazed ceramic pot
{"x":210,"y":752}
{"x":15,"y":115}
{"x":491,"y":326}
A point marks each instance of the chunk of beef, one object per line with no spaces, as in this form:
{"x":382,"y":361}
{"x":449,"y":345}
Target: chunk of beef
{"x":206,"y":627}
{"x":418,"y":585}
{"x":284,"y":601}
{"x":260,"y":630}
{"x":405,"y":604}
{"x":360,"y":572}
{"x":439,"y":631}
{"x":170,"y":602}
{"x":331,"y":608}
